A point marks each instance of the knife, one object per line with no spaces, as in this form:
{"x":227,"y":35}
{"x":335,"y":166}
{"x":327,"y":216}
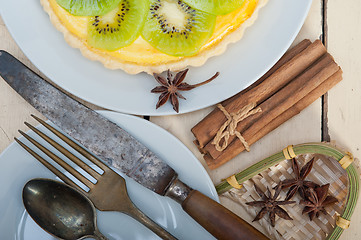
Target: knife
{"x":119,"y":149}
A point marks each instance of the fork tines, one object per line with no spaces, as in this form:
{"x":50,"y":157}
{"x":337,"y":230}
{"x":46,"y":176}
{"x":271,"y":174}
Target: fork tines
{"x":65,"y":152}
{"x":106,"y":183}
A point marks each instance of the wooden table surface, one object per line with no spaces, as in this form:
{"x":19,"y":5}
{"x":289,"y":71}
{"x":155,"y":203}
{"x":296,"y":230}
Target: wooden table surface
{"x":336,"y":116}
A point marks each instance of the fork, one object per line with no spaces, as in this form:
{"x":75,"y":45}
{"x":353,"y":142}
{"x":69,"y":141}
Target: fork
{"x":107,"y":183}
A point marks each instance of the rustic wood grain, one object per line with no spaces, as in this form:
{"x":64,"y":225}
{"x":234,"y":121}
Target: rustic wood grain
{"x":344,"y":101}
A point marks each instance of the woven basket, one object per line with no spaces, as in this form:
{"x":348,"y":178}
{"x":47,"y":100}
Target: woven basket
{"x":331,"y":165}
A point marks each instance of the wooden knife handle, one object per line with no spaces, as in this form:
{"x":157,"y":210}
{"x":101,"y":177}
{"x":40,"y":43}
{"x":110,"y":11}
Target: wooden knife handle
{"x":218,"y":220}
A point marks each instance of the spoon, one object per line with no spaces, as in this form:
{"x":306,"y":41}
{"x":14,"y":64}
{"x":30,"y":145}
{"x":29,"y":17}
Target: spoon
{"x":60,"y":210}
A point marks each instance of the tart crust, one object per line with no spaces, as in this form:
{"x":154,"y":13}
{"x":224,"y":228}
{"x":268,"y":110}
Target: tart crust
{"x":112,"y":62}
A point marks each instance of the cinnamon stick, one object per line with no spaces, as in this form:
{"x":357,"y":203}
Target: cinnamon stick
{"x":296,"y":109}
{"x":300,"y":77}
{"x":285,"y":58}
{"x":208,"y":127}
{"x":283,"y":100}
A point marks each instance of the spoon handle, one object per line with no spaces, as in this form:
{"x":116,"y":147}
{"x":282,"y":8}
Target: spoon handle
{"x":138,"y":215}
{"x":99,"y":236}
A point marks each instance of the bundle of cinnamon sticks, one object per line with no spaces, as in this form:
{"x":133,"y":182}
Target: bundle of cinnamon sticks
{"x":300,"y":77}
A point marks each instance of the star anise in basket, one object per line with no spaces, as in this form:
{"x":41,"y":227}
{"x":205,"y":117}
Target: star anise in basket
{"x":317,"y":200}
{"x":171,"y":86}
{"x":270,"y":205}
{"x":298,"y":183}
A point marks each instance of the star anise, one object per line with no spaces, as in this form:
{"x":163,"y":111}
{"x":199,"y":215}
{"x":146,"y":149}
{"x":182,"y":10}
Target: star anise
{"x":298,"y":183}
{"x":270,"y":205}
{"x":171,"y":86}
{"x":317,"y":200}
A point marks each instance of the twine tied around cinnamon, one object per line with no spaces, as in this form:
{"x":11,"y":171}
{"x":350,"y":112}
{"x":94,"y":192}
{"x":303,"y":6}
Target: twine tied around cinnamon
{"x":229,"y":128}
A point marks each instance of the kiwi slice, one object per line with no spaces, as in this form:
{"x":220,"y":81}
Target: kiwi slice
{"x":217,"y":7}
{"x":118,"y":28}
{"x":175,"y":28}
{"x":88,"y":7}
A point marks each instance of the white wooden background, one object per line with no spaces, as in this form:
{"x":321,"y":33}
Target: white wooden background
{"x":337,"y":22}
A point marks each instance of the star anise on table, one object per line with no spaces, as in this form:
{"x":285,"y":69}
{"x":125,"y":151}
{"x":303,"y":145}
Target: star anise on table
{"x":270,"y":205}
{"x":298,"y":183}
{"x":317,"y":200}
{"x":169,"y":87}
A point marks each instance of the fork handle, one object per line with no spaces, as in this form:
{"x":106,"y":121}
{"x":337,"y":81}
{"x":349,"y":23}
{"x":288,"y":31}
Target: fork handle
{"x":138,"y":215}
{"x":218,"y":220}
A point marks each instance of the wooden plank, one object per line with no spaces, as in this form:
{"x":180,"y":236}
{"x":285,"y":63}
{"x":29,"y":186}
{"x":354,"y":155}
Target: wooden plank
{"x":307,"y":124}
{"x":344,"y":116}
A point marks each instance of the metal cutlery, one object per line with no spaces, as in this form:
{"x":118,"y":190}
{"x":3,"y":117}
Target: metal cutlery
{"x":109,"y":193}
{"x":60,"y":210}
{"x":116,"y":147}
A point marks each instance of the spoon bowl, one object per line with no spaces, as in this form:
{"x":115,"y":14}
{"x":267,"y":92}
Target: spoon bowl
{"x":61,"y":210}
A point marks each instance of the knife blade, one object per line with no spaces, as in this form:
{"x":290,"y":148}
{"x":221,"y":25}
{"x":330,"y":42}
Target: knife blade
{"x":112,"y":144}
{"x":117,"y":148}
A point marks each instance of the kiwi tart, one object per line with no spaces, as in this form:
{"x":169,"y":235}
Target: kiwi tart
{"x":152,"y":35}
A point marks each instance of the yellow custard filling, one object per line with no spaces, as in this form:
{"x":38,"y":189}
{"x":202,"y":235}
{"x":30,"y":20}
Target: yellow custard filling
{"x":141,"y":52}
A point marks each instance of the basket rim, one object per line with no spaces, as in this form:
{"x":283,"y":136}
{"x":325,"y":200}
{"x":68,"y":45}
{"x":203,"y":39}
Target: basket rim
{"x":300,"y":149}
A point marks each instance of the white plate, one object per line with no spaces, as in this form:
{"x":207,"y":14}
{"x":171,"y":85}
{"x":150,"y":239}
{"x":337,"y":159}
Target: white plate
{"x":17,"y":167}
{"x":243,"y":63}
